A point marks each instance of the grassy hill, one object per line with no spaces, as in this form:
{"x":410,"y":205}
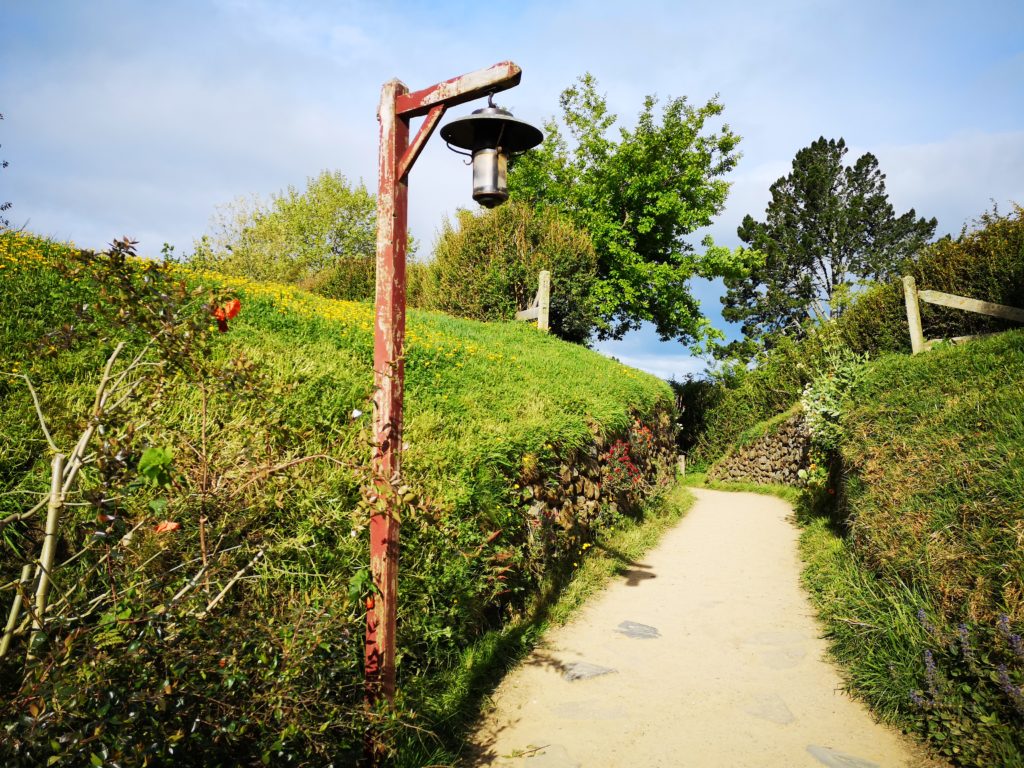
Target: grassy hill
{"x":924,"y":591}
{"x":235,"y":462}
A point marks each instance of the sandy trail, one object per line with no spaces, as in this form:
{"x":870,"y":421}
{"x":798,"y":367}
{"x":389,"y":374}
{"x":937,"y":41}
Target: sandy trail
{"x":706,"y":653}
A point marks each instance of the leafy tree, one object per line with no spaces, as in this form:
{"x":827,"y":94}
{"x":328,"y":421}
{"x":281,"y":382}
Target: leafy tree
{"x":638,"y":196}
{"x":487,"y":268}
{"x":827,"y":225}
{"x":297,"y":236}
{"x":6,"y":206}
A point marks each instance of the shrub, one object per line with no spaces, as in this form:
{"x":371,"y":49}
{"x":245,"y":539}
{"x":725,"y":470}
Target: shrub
{"x":487,"y":268}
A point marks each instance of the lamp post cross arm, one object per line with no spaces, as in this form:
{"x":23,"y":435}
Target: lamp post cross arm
{"x":459,"y":90}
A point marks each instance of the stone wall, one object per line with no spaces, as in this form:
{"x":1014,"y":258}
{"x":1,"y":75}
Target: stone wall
{"x":775,"y":458}
{"x":613,"y":475}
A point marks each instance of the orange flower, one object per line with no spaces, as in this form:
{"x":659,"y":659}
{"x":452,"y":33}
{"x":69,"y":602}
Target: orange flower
{"x":225,"y":313}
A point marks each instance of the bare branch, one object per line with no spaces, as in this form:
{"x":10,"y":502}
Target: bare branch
{"x":231,"y":582}
{"x":39,"y":412}
{"x":264,"y":473}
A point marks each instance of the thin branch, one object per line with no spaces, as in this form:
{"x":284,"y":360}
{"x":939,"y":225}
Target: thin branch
{"x":231,"y":582}
{"x":22,"y":515}
{"x":12,"y":618}
{"x":38,"y":409}
{"x":264,"y":473}
{"x":49,"y":551}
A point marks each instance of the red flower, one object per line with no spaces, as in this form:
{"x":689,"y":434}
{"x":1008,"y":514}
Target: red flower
{"x":225,"y":313}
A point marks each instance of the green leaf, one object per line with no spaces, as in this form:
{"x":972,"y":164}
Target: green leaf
{"x":357,"y":584}
{"x":155,"y":465}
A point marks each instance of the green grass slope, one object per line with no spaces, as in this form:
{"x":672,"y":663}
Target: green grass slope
{"x":250,"y":445}
{"x":924,"y":592}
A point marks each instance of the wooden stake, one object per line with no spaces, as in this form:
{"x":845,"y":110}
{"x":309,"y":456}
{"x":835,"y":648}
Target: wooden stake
{"x":543,"y":300}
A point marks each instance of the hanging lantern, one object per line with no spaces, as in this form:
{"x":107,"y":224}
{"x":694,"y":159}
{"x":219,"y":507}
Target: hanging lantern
{"x":490,"y":135}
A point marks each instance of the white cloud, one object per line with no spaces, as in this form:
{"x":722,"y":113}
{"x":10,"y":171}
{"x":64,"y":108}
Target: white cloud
{"x":956,"y":178}
{"x":664,"y":366}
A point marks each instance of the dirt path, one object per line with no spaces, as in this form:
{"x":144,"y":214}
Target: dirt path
{"x":704,"y":654}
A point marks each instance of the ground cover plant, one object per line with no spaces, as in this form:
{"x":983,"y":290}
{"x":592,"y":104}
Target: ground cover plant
{"x":209,"y":587}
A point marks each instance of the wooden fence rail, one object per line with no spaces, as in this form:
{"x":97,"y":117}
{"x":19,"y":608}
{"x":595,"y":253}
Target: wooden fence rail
{"x":912,"y":296}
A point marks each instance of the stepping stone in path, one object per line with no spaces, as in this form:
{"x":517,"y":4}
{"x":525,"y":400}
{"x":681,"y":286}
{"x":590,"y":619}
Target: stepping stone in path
{"x":772,"y":708}
{"x":581,"y":670}
{"x":833,"y":758}
{"x":638,"y":631}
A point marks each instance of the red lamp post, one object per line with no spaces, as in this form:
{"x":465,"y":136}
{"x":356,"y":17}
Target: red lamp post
{"x":397,"y":154}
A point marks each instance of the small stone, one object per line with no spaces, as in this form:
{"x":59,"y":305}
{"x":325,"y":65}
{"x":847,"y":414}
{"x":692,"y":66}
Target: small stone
{"x":833,"y":758}
{"x":638,"y":631}
{"x":582,"y":670}
{"x":549,"y":756}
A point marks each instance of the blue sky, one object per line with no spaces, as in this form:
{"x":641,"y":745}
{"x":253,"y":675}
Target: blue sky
{"x":140,"y":118}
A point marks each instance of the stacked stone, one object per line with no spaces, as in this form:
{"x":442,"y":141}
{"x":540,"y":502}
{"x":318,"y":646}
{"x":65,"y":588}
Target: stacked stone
{"x":572,"y":493}
{"x":775,"y":458}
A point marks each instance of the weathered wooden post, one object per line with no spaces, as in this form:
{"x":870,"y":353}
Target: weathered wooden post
{"x":913,"y":315}
{"x":540,"y":309}
{"x":544,"y":300}
{"x":397,"y":155}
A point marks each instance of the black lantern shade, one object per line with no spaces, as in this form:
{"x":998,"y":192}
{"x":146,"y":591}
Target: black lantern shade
{"x":491,"y":134}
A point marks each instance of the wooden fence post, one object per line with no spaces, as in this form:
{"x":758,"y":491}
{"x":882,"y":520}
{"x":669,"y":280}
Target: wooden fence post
{"x":540,"y":307}
{"x":543,"y":300}
{"x":913,"y":315}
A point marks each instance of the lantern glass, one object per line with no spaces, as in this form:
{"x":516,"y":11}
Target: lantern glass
{"x":490,"y":183}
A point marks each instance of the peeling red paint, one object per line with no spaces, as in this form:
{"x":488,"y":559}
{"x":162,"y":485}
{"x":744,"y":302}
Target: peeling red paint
{"x":397,"y":156}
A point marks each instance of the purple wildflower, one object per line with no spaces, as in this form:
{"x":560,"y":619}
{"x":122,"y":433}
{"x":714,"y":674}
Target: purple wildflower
{"x":1012,"y":690}
{"x":928,"y":626}
{"x":918,"y":700}
{"x":1014,"y":640}
{"x":965,"y":643}
{"x":930,"y":675}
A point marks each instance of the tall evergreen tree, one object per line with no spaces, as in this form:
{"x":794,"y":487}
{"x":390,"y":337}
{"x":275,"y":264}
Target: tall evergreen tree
{"x":827,"y":226}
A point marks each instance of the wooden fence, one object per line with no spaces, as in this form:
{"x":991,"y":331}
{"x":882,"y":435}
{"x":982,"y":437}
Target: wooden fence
{"x":912,"y":296}
{"x":541,"y":305}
